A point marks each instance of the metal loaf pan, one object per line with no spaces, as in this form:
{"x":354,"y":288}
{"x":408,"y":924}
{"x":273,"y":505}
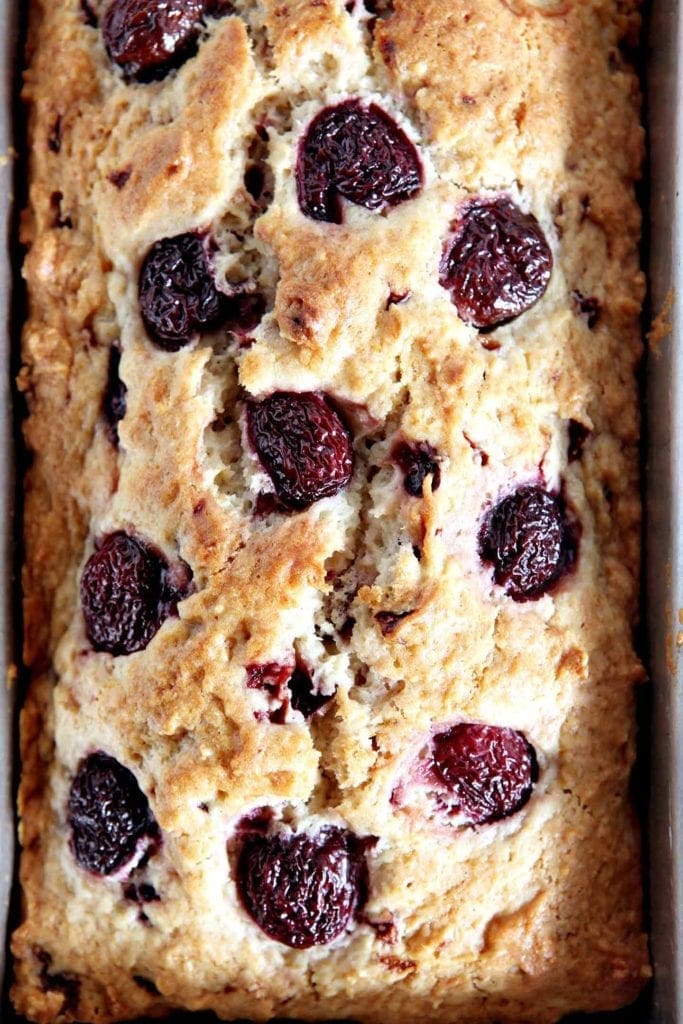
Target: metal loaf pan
{"x":662,"y":725}
{"x":664,"y":504}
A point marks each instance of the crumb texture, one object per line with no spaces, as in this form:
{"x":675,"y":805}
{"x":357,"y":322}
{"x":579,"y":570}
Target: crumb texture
{"x":332,"y":520}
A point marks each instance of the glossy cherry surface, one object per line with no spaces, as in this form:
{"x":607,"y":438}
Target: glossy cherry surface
{"x":489,"y":771}
{"x":355,"y":152}
{"x":108,"y":815}
{"x":497,"y":263}
{"x":146,"y":38}
{"x":529,"y":542}
{"x":127,"y":591}
{"x":303,"y":889}
{"x":303,"y":444}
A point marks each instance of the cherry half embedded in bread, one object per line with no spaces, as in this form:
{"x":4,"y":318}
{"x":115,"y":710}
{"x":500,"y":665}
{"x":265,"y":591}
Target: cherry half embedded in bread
{"x":303,"y":444}
{"x":109,"y":816}
{"x":146,"y":38}
{"x":489,"y":771}
{"x":178,"y":294}
{"x":417,"y":460}
{"x":243,"y":310}
{"x":529,"y":542}
{"x":303,"y":889}
{"x":114,"y":401}
{"x":497,"y":262}
{"x":354,"y":152}
{"x":127,"y":590}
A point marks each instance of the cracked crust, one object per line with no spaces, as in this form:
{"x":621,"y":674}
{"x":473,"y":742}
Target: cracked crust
{"x":382,"y":594}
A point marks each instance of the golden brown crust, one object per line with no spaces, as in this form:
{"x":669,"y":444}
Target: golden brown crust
{"x":521,"y":921}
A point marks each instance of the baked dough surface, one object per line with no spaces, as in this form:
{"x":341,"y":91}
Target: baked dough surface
{"x":522,"y":920}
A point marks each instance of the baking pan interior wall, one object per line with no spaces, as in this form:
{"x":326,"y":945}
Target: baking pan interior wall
{"x":664,"y":524}
{"x":664,"y":504}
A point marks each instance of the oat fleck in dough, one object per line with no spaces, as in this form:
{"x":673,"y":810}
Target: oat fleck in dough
{"x":328,"y":612}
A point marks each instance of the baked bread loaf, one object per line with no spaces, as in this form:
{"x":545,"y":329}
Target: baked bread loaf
{"x":332,"y":522}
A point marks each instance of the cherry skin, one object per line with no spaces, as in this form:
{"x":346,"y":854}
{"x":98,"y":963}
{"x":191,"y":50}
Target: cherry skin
{"x":301,"y":889}
{"x":290,"y":685}
{"x":417,"y":460}
{"x":177,"y":292}
{"x":529,"y":542}
{"x":358,"y":153}
{"x":108,"y":814}
{"x":127,"y":591}
{"x":147,"y":38}
{"x":489,"y":771}
{"x":497,"y":263}
{"x":303,"y":697}
{"x":303,"y":444}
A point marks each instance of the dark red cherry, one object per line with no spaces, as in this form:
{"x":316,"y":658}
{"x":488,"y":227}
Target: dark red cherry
{"x":417,"y":460}
{"x":146,"y":38}
{"x":109,"y":816}
{"x":267,"y":504}
{"x":301,"y":889}
{"x":497,"y":262}
{"x":271,"y":676}
{"x":379,"y":8}
{"x":289,"y":685}
{"x":396,"y":298}
{"x":177,"y":292}
{"x":114,"y":401}
{"x":128,"y":589}
{"x":489,"y":771}
{"x":303,"y":444}
{"x":243,"y":311}
{"x":354,"y":152}
{"x":120,"y":178}
{"x":304,"y":698}
{"x":529,"y":542}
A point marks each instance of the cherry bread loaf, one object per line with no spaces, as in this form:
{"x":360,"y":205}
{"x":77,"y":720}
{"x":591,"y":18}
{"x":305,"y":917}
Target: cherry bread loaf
{"x":332,"y":518}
